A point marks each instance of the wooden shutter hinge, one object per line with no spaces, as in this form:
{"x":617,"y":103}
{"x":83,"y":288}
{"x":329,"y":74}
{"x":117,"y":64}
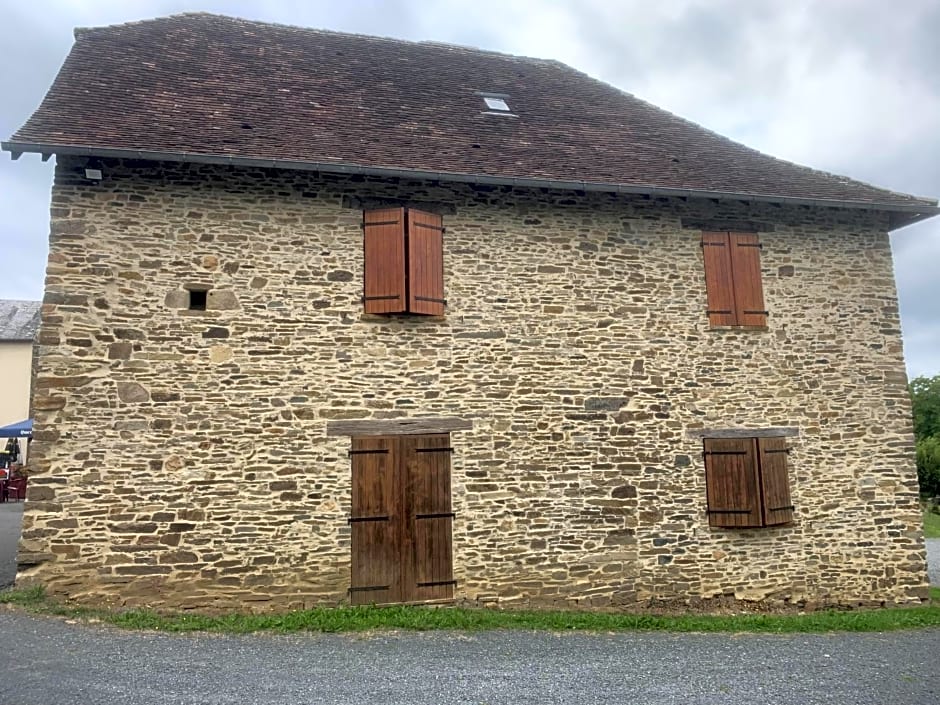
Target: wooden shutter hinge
{"x":439,"y":515}
{"x":777,"y":509}
{"x":382,"y":451}
{"x":353,"y":520}
{"x":758,"y":245}
{"x":428,"y":298}
{"x":711,"y":244}
{"x":430,"y":227}
{"x":437,"y":582}
{"x":725,"y":452}
{"x":725,"y":312}
{"x":779,"y":450}
{"x":762,"y":313}
{"x":380,"y":222}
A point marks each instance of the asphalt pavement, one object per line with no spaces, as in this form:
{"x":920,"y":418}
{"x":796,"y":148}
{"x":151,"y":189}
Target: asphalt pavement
{"x":11,"y":518}
{"x":53,"y":661}
{"x":48,"y":660}
{"x":933,"y":561}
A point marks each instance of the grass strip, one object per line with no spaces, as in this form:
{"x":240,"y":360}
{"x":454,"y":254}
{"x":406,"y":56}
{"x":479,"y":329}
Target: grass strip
{"x":358,"y":619}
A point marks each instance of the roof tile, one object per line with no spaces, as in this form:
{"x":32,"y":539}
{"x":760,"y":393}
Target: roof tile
{"x":213,"y":85}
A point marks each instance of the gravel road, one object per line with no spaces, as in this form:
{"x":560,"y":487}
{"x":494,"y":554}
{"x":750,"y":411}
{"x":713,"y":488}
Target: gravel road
{"x":52,"y":661}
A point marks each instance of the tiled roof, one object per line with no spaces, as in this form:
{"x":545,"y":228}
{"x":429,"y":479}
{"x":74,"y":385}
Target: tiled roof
{"x":19,"y":320}
{"x":204,"y":84}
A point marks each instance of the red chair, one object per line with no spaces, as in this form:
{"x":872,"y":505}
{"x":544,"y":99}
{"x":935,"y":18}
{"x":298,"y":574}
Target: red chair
{"x":16,"y":489}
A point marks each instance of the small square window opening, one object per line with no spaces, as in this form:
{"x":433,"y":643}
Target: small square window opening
{"x":197,"y":299}
{"x":494,"y":103}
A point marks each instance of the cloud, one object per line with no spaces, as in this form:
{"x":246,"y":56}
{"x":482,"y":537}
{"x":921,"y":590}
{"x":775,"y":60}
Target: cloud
{"x":845,"y":86}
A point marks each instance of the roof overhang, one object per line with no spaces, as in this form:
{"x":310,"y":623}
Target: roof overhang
{"x":901,"y":215}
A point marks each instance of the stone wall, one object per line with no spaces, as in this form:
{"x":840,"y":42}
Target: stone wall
{"x":181,"y":457}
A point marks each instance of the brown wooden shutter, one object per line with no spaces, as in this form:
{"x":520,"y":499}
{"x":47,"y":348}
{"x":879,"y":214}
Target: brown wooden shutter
{"x":748,"y":288}
{"x":425,"y":263}
{"x":384,"y":252}
{"x":731,"y":482}
{"x":428,"y":533}
{"x":375,"y":523}
{"x":719,"y":282}
{"x":775,"y":482}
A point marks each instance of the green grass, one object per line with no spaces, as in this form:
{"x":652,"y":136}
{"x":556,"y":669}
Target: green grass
{"x":358,"y":619}
{"x":931,"y":524}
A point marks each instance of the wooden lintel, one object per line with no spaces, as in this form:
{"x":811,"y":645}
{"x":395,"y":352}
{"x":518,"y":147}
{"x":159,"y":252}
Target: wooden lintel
{"x":770,"y":432}
{"x":397,"y":427}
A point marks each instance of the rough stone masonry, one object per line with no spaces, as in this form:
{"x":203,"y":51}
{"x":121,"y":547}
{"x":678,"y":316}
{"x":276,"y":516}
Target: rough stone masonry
{"x":181,"y":457}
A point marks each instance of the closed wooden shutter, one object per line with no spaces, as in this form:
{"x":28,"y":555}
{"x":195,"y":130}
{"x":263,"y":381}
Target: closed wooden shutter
{"x":384,"y":252}
{"x":719,"y":282}
{"x":775,"y":482}
{"x":375,"y":522}
{"x":428,"y":547}
{"x":425,"y":263}
{"x":731,"y":482}
{"x":745,"y":271}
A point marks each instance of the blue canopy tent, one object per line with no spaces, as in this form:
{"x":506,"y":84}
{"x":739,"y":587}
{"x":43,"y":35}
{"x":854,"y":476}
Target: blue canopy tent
{"x":20,"y":429}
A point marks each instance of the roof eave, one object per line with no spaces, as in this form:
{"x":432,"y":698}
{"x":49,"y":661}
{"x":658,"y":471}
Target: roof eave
{"x":902,"y":214}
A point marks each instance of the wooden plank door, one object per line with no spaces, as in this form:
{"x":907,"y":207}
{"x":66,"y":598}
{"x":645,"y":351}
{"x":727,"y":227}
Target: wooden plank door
{"x":375,"y":522}
{"x":428,"y":572}
{"x":402,"y":518}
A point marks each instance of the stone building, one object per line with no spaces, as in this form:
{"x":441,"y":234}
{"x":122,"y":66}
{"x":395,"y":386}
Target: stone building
{"x":335,"y":318}
{"x":19,"y":323}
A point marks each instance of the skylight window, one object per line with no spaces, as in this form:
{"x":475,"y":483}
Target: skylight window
{"x":494,"y":103}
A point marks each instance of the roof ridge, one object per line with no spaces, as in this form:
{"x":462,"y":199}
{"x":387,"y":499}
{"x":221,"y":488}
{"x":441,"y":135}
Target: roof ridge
{"x":311,"y":30}
{"x":38,"y":302}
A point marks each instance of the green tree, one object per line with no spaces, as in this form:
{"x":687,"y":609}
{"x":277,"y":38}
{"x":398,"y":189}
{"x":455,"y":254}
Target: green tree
{"x":925,"y":396}
{"x":928,"y":466}
{"x":925,"y":399}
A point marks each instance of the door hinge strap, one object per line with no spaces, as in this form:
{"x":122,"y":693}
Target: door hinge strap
{"x":434,"y":450}
{"x":438,"y":582}
{"x":730,"y":511}
{"x":369,"y":588}
{"x":779,"y":450}
{"x":379,"y":451}
{"x":780,"y":509}
{"x":353,"y":520}
{"x":440,"y":515}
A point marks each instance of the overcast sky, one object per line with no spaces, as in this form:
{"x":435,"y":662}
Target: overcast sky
{"x":851,"y":87}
